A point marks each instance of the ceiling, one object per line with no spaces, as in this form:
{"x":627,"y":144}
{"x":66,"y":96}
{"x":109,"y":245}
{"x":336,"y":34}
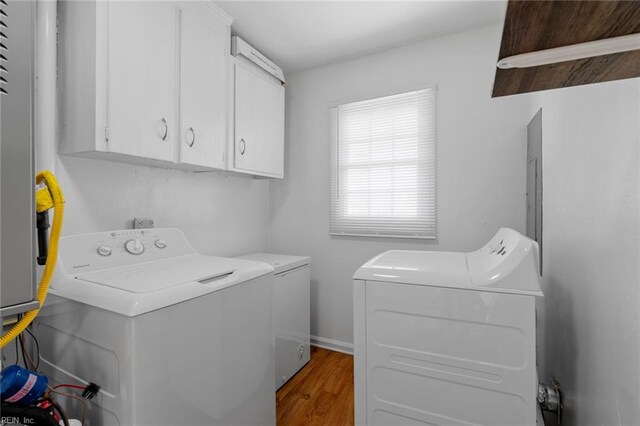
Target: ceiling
{"x":299,"y":35}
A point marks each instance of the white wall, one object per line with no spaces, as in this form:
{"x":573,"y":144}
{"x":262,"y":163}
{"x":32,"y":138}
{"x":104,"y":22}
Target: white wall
{"x":481,"y":161}
{"x":220,"y":214}
{"x":589,"y":328}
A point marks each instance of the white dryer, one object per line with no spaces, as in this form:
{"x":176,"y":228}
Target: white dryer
{"x":446,"y":338}
{"x":171,"y":336}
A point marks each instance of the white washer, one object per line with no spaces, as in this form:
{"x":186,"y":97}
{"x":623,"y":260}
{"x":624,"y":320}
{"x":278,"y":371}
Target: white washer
{"x":171,"y":336}
{"x":291,"y":312}
{"x":448,"y":338}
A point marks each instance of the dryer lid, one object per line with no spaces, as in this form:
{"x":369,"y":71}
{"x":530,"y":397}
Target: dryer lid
{"x":508,"y":263}
{"x":417,"y":267}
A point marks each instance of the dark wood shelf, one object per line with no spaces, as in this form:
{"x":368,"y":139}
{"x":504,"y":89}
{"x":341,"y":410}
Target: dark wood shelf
{"x":537,"y":25}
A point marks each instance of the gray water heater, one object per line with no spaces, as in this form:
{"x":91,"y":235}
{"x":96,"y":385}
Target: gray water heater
{"x":17,"y":214}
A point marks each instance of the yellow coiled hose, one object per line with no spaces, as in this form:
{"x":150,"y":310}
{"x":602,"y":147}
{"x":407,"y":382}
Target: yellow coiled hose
{"x":46,"y":198}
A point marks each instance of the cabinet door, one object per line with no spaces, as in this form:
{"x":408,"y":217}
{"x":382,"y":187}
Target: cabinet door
{"x":203,"y":83}
{"x":141,"y":79}
{"x":259,"y":123}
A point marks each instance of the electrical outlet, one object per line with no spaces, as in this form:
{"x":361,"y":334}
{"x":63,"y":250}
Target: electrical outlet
{"x":142,"y":222}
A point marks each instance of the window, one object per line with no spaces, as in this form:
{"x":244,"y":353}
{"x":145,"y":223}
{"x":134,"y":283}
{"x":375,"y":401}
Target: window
{"x":383,"y":166}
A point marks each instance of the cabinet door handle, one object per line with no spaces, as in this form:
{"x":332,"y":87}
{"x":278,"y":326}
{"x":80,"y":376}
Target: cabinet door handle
{"x":243,"y":146}
{"x":166,"y":128}
{"x":193,"y":137}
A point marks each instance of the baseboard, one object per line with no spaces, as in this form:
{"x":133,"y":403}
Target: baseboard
{"x":332,"y":345}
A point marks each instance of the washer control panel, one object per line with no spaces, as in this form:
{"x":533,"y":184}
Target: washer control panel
{"x":104,"y":250}
{"x":91,"y":252}
{"x":134,"y":246}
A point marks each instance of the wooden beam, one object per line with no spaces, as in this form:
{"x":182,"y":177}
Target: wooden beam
{"x":537,"y":25}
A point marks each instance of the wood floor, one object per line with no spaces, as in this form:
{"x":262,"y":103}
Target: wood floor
{"x":320,"y":394}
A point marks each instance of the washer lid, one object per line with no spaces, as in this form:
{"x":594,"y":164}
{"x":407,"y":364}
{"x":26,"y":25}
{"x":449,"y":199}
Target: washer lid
{"x":159,"y":275}
{"x":279,"y":262}
{"x":137,"y":289}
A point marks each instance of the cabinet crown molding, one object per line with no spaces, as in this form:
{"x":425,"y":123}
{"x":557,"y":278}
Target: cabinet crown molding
{"x":212,"y":7}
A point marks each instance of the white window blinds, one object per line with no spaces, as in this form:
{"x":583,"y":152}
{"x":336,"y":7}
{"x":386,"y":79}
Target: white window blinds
{"x":383,"y":166}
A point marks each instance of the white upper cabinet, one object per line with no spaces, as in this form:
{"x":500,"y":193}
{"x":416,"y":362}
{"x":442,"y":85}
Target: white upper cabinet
{"x":150,"y":82}
{"x":141,"y":100}
{"x":257,"y":146}
{"x":204,"y":55}
{"x":144,"y":81}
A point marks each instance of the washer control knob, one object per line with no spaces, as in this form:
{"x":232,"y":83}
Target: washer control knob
{"x":134,"y":246}
{"x":161,"y":244}
{"x":104,"y":251}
